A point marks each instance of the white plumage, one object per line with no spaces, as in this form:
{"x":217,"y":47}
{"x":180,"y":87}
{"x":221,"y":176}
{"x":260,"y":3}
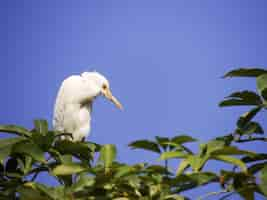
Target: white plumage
{"x":72,"y":111}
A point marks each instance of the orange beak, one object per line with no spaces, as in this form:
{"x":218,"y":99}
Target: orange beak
{"x":107,"y":93}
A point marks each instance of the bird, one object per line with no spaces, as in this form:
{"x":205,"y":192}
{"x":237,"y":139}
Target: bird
{"x":74,"y":101}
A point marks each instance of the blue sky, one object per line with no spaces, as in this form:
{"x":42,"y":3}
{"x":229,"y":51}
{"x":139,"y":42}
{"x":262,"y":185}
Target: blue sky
{"x":164,"y":60}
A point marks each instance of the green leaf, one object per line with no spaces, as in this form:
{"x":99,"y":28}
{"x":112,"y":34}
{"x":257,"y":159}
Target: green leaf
{"x":227,"y":139}
{"x":43,"y":141}
{"x":247,"y":193}
{"x":236,"y":176}
{"x":30,"y":149}
{"x":78,"y":149}
{"x":232,"y":160}
{"x":28,"y":164}
{"x":243,"y":98}
{"x":235,"y":102}
{"x":66,"y":159}
{"x":197,"y":162}
{"x":262,"y":85}
{"x":157,"y":169}
{"x":241,"y":183}
{"x":6,"y":147}
{"x":31,"y":194}
{"x":41,"y":126}
{"x":56,"y":155}
{"x":181,"y":183}
{"x":48,"y":191}
{"x":181,"y":139}
{"x":188,"y":181}
{"x":162,"y":142}
{"x":18,"y":130}
{"x":231,"y":150}
{"x":256,"y":167}
{"x":82,"y":183}
{"x":174,"y":197}
{"x":202,"y":178}
{"x":124,"y":170}
{"x":246,"y":94}
{"x":68,"y":169}
{"x":183,"y":165}
{"x":107,"y":155}
{"x":255,"y":157}
{"x":263,"y":177}
{"x":172,"y":154}
{"x":178,"y":141}
{"x":94,"y":147}
{"x":245,"y":72}
{"x":146,"y":145}
{"x":37,"y":191}
{"x":250,"y":128}
{"x":213,"y":145}
{"x":154,"y":190}
{"x":248,"y":116}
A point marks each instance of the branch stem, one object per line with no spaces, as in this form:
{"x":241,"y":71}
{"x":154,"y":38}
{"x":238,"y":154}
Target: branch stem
{"x":251,"y":139}
{"x":212,"y":193}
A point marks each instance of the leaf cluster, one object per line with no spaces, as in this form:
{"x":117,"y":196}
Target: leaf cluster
{"x":88,"y":171}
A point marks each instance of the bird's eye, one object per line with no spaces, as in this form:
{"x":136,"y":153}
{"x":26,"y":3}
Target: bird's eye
{"x":104,"y":86}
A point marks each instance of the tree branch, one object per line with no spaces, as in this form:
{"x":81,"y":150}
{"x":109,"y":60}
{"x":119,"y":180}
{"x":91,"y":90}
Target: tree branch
{"x":212,"y":193}
{"x":251,"y":139}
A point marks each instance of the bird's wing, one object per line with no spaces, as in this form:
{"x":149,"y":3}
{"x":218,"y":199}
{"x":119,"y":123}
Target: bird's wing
{"x":64,"y":110}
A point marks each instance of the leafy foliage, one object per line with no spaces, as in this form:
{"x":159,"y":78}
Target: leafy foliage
{"x":82,"y":176}
{"x":245,"y":72}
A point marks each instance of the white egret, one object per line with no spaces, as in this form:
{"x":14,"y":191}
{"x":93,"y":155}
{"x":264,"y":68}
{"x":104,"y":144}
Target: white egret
{"x":72,"y":111}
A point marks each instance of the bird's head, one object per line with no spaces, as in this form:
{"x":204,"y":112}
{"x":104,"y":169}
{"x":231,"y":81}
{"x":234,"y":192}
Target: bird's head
{"x":101,"y":85}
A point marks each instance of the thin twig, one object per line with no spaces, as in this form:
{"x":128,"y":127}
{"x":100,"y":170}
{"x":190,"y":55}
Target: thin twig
{"x":227,"y":195}
{"x":166,"y":164}
{"x":34,"y":176}
{"x":212,"y":193}
{"x":252,"y":139}
{"x":36,"y":171}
